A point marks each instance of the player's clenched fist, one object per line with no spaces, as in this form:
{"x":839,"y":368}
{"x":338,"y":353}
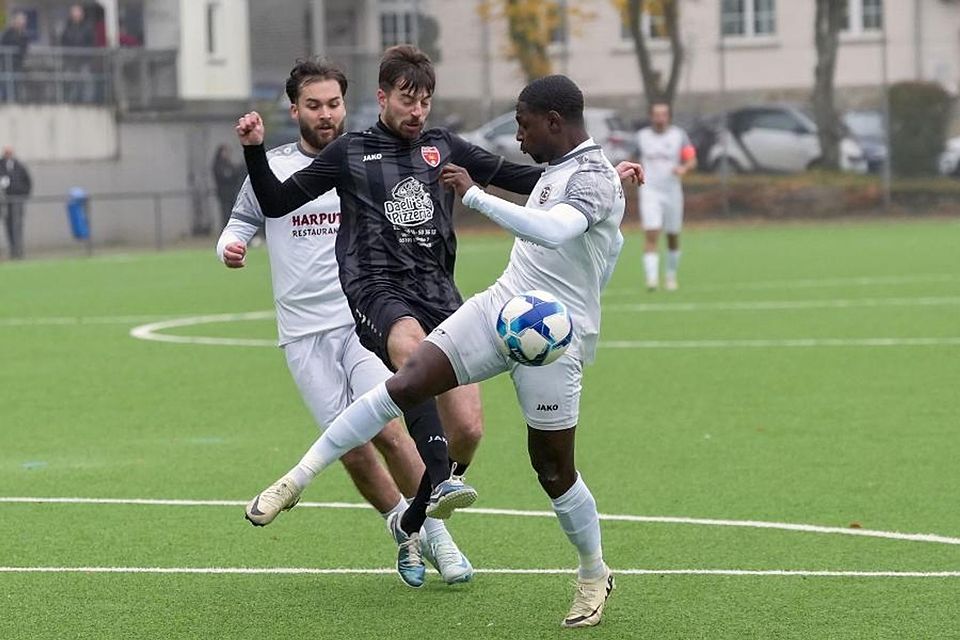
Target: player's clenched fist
{"x":250,"y":128}
{"x":234,"y":255}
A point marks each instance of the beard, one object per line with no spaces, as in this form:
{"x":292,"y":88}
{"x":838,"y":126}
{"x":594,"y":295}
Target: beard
{"x":313,"y":136}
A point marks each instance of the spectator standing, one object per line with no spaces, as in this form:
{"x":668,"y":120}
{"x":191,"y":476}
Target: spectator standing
{"x":228,"y":177}
{"x":14,"y":41}
{"x":76,"y":34}
{"x":15,"y":187}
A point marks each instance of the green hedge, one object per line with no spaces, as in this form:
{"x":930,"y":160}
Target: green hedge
{"x":919,"y":113}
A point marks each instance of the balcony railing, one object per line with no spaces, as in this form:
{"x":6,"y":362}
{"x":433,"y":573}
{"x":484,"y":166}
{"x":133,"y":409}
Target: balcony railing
{"x":130,"y":79}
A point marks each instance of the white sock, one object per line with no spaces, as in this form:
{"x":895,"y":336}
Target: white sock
{"x":358,"y":423}
{"x":400,"y":507}
{"x":651,"y":265}
{"x":433,"y":527}
{"x":673,"y":261}
{"x":577,"y":512}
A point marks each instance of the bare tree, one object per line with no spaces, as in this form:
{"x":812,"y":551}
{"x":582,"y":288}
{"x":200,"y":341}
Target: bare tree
{"x":827,"y":29}
{"x":632,"y":12}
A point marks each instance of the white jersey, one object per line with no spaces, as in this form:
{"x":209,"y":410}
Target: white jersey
{"x":660,"y":154}
{"x":303,"y":261}
{"x":585,"y":180}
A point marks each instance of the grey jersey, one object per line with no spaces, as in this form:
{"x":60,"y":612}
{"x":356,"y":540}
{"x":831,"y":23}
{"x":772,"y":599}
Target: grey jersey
{"x":574,"y":272}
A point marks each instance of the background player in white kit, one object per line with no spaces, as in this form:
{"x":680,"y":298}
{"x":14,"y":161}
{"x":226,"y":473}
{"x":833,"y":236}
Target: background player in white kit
{"x":568,"y":242}
{"x":666,"y":154}
{"x":315,"y":326}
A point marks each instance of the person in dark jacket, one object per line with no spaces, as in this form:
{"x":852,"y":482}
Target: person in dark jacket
{"x":76,"y":34}
{"x":228,"y":176}
{"x":14,"y":41}
{"x":15,"y":187}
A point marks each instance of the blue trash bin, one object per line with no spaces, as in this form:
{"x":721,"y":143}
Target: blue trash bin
{"x":77,"y":213}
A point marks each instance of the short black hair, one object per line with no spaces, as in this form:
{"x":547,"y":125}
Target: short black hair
{"x":407,"y":68}
{"x":313,"y":70}
{"x":554,"y":93}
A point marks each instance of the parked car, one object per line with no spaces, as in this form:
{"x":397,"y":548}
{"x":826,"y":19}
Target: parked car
{"x":867,"y":128}
{"x":604,"y":125}
{"x":779,"y":139}
{"x":950,"y":158}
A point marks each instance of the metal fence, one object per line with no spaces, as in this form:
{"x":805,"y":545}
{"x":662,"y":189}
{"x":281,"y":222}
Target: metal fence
{"x":130,"y":78}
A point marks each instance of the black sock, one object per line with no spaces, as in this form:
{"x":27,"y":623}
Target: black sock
{"x":458,"y":468}
{"x":423,"y":423}
{"x":416,"y":513}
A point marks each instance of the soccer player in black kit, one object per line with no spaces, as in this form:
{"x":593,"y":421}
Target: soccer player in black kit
{"x":396,"y":249}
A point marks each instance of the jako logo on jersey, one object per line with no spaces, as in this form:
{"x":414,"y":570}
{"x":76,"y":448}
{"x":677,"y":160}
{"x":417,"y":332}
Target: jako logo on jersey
{"x":411,"y":205}
{"x":431,"y":155}
{"x":372,"y":156}
{"x":544,"y":194}
{"x":547,"y":407}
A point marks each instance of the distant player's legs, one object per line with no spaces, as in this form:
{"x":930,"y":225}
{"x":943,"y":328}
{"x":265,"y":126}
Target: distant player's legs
{"x":672,"y":224}
{"x":651,"y":218}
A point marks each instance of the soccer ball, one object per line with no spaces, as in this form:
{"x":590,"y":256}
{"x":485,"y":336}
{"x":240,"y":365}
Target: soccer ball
{"x":535,"y":328}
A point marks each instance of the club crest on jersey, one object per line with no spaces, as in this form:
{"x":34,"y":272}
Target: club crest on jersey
{"x":431,"y":155}
{"x":545,"y":194}
{"x":411,"y":205}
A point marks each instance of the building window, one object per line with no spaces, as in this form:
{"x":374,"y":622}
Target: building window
{"x":862,"y":16}
{"x":748,"y":18}
{"x":398,"y":23}
{"x":653,"y":23}
{"x":213,"y":19}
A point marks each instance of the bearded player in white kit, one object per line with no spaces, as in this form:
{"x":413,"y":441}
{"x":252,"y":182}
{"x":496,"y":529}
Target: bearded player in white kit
{"x":315,"y":325}
{"x":666,"y":154}
{"x":568,"y":243}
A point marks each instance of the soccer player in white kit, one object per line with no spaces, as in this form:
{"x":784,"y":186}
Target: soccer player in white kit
{"x":568,"y":243}
{"x":315,"y":325}
{"x":666,"y":154}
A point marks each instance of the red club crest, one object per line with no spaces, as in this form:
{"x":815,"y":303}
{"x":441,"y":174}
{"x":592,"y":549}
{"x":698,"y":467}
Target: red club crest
{"x":431,"y":155}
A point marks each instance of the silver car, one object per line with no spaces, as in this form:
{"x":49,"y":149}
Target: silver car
{"x":777,"y":139}
{"x":604,"y":125}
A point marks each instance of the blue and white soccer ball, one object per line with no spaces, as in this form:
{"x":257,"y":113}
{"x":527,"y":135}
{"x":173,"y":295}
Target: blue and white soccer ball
{"x":535,"y":328}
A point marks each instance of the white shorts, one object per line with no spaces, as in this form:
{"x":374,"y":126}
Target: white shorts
{"x":661,"y":209}
{"x":549,"y":396}
{"x":331,"y":369}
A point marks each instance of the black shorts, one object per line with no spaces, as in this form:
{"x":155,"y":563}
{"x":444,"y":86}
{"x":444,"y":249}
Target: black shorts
{"x":375,"y":311}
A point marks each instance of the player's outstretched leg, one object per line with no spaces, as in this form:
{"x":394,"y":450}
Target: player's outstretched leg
{"x":282,"y":495}
{"x":409,"y":553}
{"x":442,"y":552}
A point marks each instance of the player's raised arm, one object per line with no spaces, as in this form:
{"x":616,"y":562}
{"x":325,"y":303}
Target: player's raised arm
{"x":549,"y":228}
{"x":276,"y":198}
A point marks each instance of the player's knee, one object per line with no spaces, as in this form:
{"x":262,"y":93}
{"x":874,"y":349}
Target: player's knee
{"x":554,"y":477}
{"x":356,"y":461}
{"x":467,"y":431}
{"x":392,"y":440}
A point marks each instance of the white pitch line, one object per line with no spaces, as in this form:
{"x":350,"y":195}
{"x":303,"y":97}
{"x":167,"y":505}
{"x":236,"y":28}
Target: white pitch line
{"x":809,"y":283}
{"x":948,"y":341}
{"x":781,"y":305}
{"x":388,"y":571}
{"x":149,"y":331}
{"x":78,"y":320}
{"x":707,"y":522}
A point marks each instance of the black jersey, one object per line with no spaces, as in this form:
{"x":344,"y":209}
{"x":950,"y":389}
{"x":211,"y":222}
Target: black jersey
{"x":396,"y":226}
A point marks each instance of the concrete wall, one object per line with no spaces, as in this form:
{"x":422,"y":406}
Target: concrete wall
{"x":165,"y":171}
{"x":59,"y":132}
